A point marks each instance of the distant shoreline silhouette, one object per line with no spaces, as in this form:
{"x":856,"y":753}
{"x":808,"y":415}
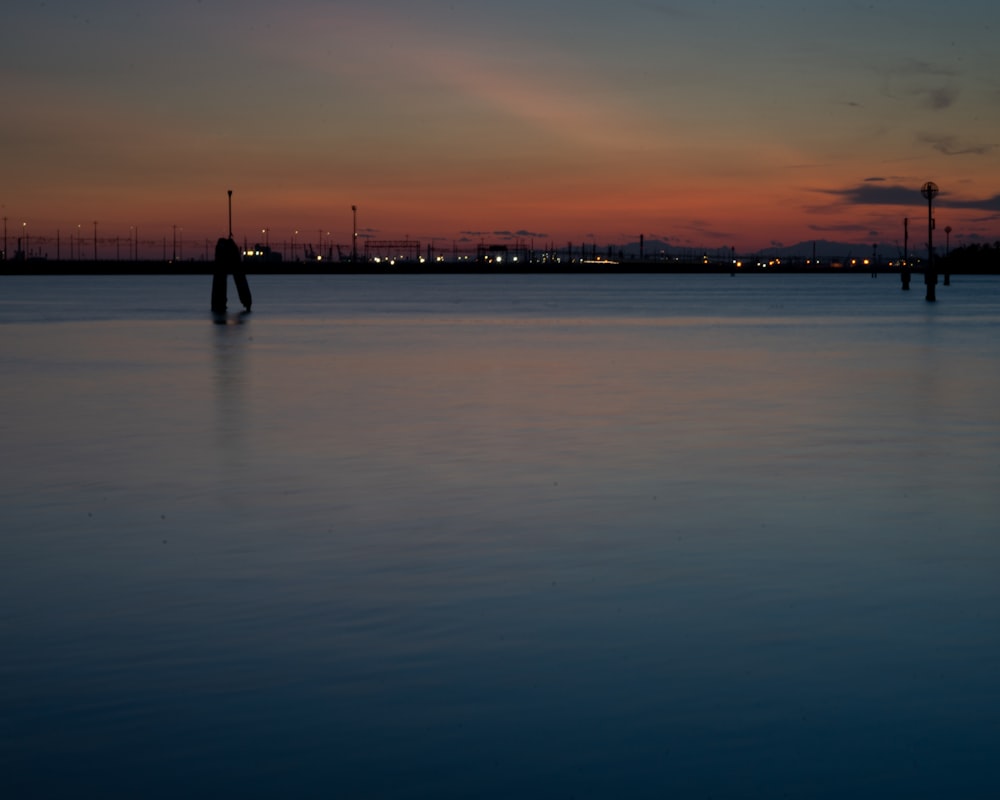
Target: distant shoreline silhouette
{"x":158,"y":267}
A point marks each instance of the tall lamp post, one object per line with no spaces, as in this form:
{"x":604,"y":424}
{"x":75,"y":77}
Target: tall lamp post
{"x":929,"y":190}
{"x":354,"y":239}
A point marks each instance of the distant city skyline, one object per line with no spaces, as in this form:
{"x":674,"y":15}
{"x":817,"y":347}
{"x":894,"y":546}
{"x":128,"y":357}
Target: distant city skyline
{"x":707,"y":125}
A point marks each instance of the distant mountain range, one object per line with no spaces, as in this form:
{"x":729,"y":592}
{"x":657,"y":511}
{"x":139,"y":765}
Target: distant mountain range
{"x":822,"y":249}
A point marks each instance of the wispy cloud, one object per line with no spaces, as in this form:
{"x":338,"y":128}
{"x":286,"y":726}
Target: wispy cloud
{"x":875,"y":194}
{"x":938,"y":98}
{"x":845,"y":228}
{"x":985,"y":204}
{"x":953,"y":146}
{"x":553,"y":91}
{"x":933,"y":86}
{"x":706,"y":230}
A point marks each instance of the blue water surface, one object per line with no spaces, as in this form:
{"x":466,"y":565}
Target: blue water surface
{"x":500,"y":536}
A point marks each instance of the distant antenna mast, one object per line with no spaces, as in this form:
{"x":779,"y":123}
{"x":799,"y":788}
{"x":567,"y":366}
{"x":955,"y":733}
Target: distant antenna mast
{"x":230,"y":192}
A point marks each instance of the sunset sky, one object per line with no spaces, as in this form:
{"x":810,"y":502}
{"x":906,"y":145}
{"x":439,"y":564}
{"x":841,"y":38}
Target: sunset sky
{"x":717,"y":123}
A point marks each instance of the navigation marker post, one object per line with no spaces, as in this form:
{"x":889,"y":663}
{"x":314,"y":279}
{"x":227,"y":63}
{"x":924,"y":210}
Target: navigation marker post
{"x":227,"y":260}
{"x":930,"y":190}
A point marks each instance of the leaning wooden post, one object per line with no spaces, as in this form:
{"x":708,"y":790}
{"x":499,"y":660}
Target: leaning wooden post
{"x":219,"y":278}
{"x":227,"y":261}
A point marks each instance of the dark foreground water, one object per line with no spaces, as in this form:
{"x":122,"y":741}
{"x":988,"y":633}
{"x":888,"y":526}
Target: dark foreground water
{"x":507,"y":536}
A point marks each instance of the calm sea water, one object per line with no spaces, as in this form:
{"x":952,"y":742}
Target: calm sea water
{"x":500,"y":536}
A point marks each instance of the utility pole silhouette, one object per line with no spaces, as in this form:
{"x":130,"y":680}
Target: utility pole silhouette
{"x":930,"y":190}
{"x":354,"y":238}
{"x":947,"y":252}
{"x":905,"y":274}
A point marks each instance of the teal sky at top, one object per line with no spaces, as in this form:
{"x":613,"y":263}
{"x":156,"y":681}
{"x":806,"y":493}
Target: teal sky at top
{"x":803,"y":104}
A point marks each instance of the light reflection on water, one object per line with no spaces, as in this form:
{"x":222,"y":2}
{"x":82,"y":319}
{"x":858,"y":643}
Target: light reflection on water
{"x":657,"y":536}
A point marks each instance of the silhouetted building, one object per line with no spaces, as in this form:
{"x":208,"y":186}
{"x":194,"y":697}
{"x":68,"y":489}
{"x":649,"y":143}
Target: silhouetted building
{"x":261,"y":253}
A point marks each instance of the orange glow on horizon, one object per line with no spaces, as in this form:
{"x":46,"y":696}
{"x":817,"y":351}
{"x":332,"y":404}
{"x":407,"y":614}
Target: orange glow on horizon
{"x":461,"y":124}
